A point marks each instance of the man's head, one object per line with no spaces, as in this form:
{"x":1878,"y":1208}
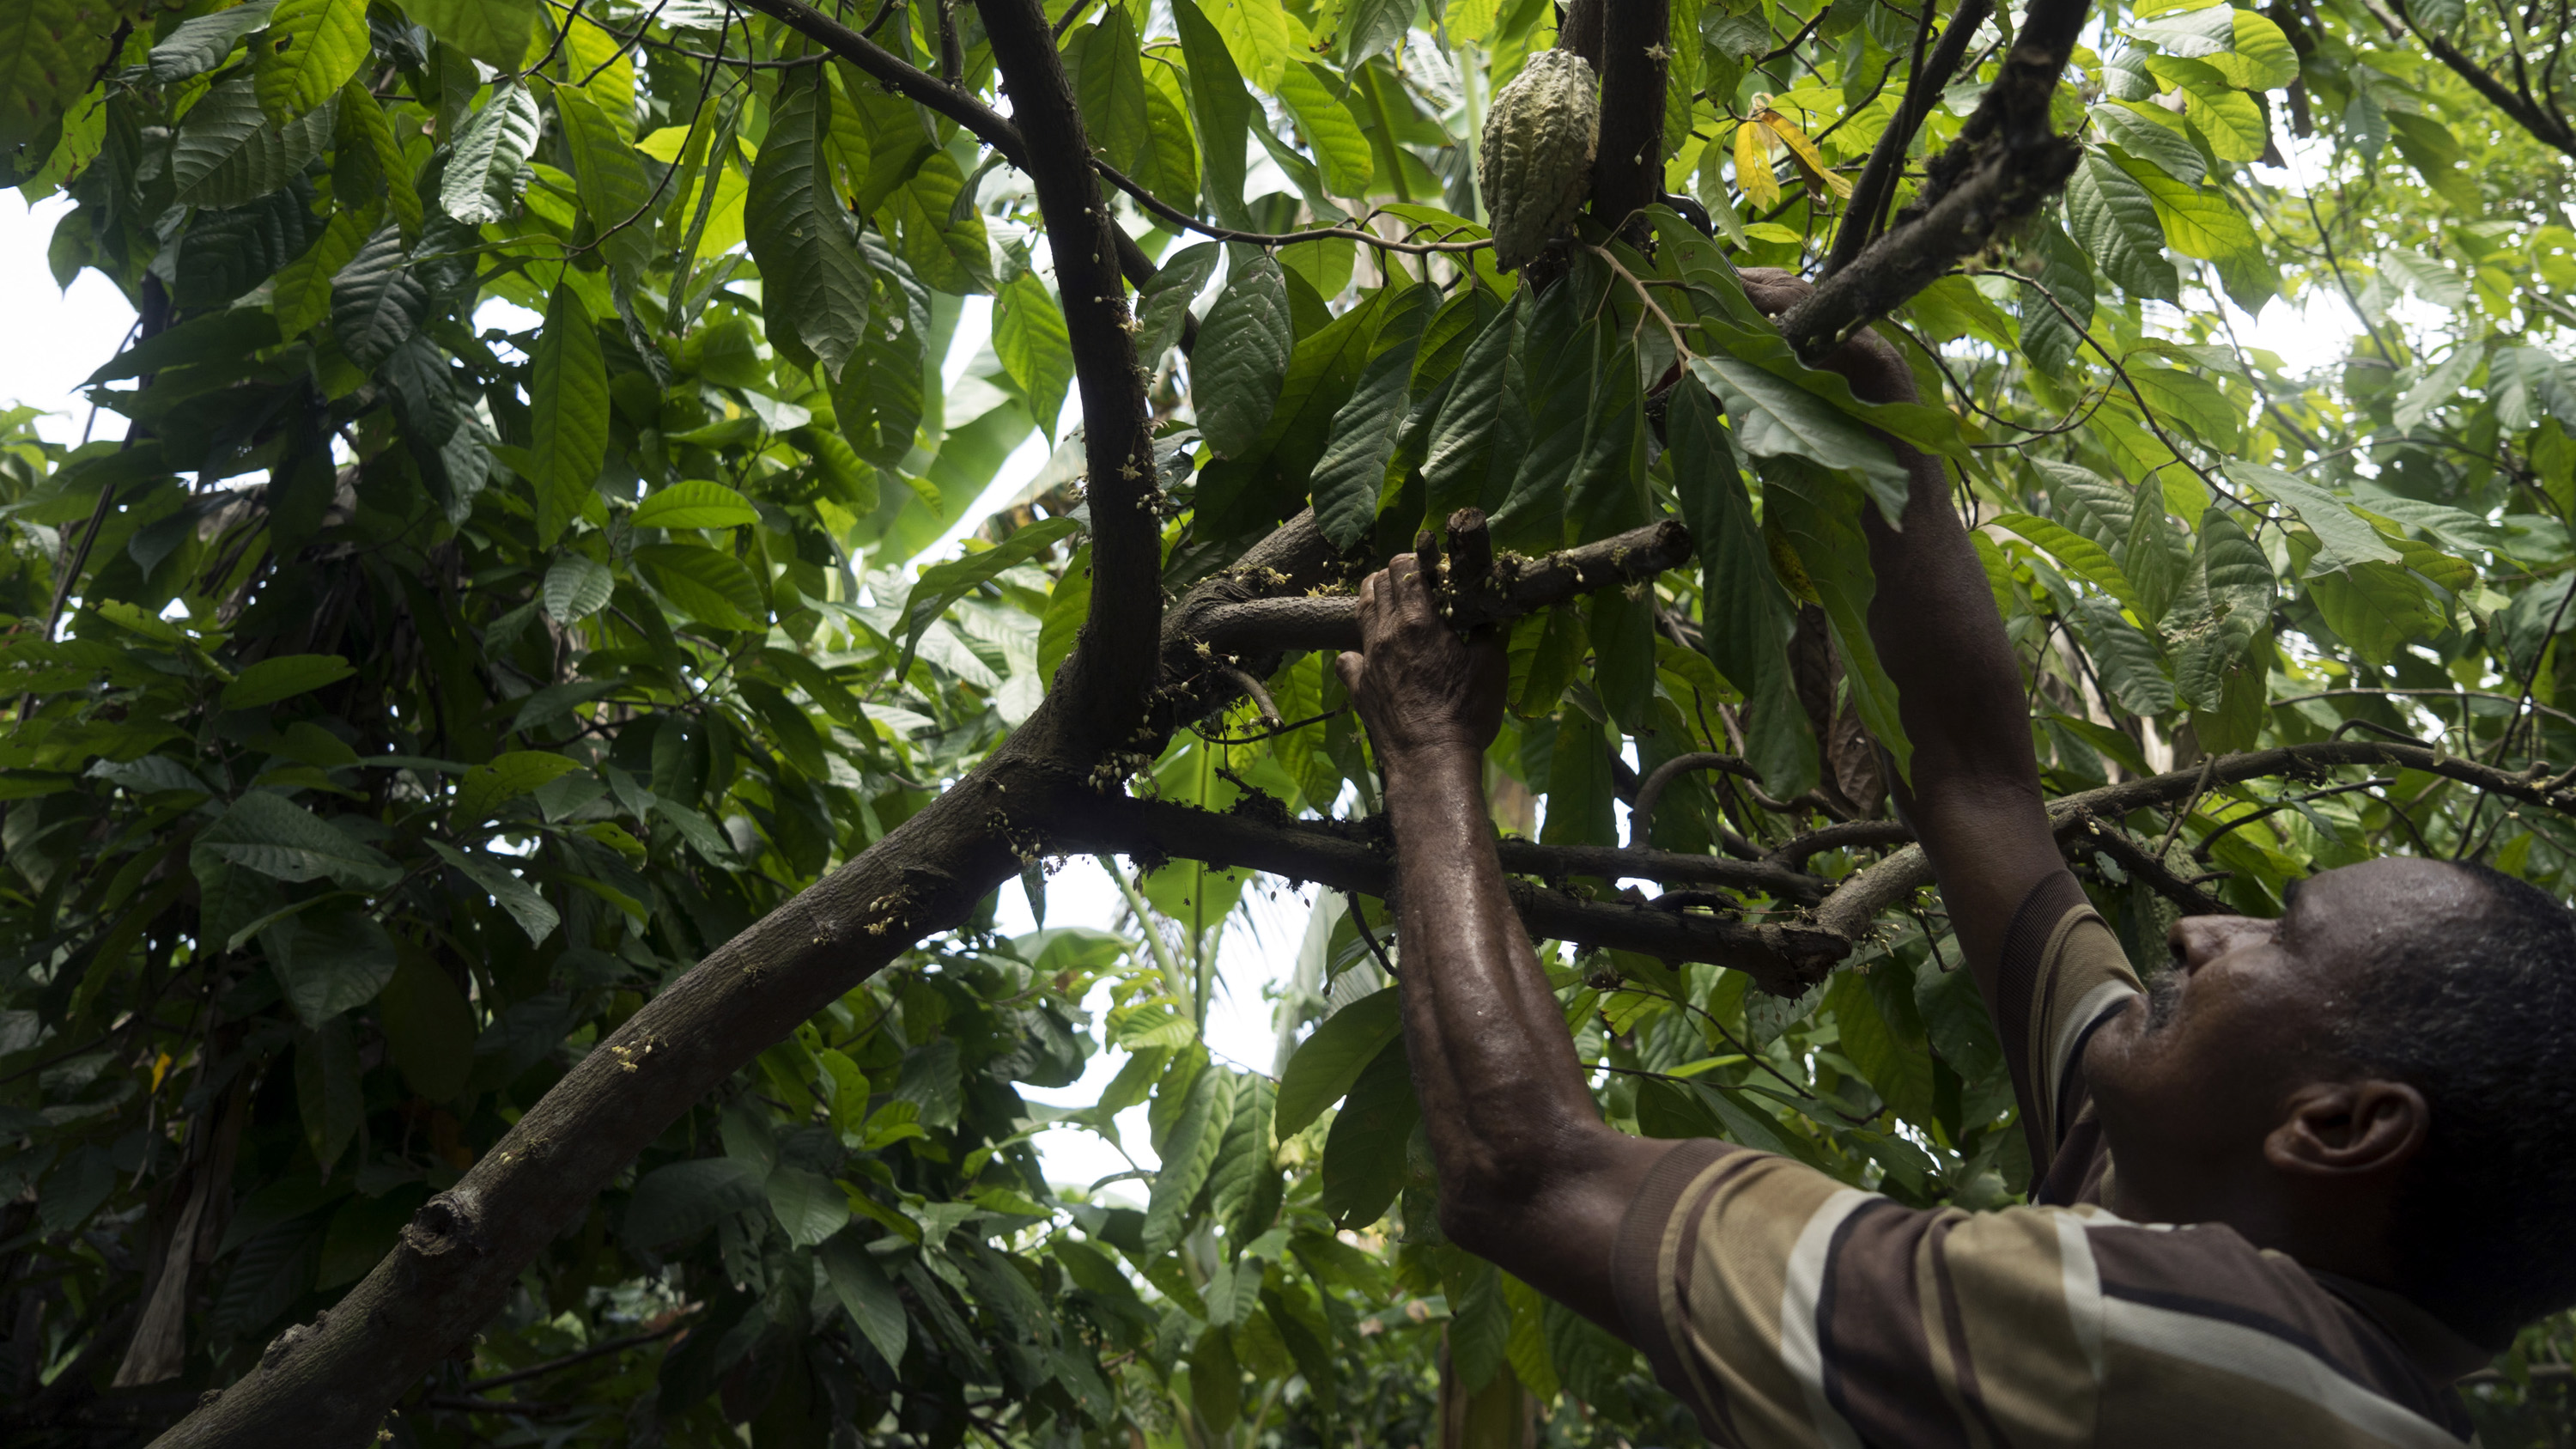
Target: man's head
{"x":2382,"y":1082}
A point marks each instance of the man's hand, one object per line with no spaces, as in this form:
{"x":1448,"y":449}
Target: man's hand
{"x":1419,"y":685}
{"x":1877,"y":373}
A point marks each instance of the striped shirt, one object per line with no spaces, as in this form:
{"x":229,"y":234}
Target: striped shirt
{"x":1789,"y":1310}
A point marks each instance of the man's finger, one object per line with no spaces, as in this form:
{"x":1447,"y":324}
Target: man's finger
{"x":1351,"y":667}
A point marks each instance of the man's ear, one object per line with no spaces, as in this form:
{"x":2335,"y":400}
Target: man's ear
{"x":2349,"y":1129}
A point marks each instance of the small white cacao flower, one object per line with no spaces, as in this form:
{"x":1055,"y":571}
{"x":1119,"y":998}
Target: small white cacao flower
{"x":1536,"y":160}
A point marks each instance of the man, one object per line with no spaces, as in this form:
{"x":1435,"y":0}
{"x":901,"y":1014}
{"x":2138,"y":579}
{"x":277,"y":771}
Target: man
{"x":2329,"y":1201}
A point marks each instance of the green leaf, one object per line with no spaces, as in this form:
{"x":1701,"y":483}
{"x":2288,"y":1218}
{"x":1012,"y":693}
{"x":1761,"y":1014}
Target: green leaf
{"x":1244,"y":1166}
{"x":866,"y":1295}
{"x":228,"y":155}
{"x":283,"y":676}
{"x":1364,"y":1154}
{"x":48,"y":52}
{"x":1219,"y":107}
{"x":2125,"y":656}
{"x":329,"y":961}
{"x":2375,"y":607}
{"x":2057,"y":304}
{"x":2114,"y":219}
{"x":611,"y":181}
{"x":2148,"y":133}
{"x":567,"y":414}
{"x":694,"y":503}
{"x":1774,"y":417}
{"x":944,"y":584}
{"x":1350,"y":478}
{"x":1109,"y":83}
{"x":494,"y":32}
{"x":1747,"y":617}
{"x":577,"y":586}
{"x":2348,"y":537}
{"x":1818,"y":514}
{"x":1258,"y":37}
{"x":683,"y":1199}
{"x":1330,"y":1060}
{"x":1188,"y":1154}
{"x":2198,"y":221}
{"x":812,"y":274}
{"x":304,"y":288}
{"x":1029,"y":336}
{"x":808,"y":1205}
{"x":311,"y":48}
{"x":945,"y":247}
{"x":711,"y":587}
{"x":512,"y":894}
{"x":1163,"y":303}
{"x":1456,"y":464}
{"x":1243,"y":352}
{"x":376,"y":302}
{"x":2239,"y":579}
{"x":200,"y":45}
{"x":487,"y":787}
{"x":2076,"y":552}
{"x":264,"y":832}
{"x":428,"y":1028}
{"x":482,"y":178}
{"x":1344,"y":155}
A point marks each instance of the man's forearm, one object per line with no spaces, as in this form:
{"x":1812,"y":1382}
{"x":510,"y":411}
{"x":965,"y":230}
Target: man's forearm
{"x":1499,"y":1081}
{"x":1530,"y":1176}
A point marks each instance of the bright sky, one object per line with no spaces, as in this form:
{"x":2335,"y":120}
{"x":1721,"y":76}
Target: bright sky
{"x":60,"y":337}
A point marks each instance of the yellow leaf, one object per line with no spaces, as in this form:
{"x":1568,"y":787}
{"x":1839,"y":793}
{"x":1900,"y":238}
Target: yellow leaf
{"x":1803,"y":151}
{"x":1753,"y":165}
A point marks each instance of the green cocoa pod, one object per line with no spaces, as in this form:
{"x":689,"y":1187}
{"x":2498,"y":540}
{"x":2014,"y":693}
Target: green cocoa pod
{"x":1536,"y":161}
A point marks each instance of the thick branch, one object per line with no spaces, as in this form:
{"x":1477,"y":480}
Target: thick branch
{"x":1627,"y":168}
{"x":2005,"y":163}
{"x":1782,"y":959}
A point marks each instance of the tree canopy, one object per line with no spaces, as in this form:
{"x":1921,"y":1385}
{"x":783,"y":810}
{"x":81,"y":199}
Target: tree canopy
{"x":501,"y":826}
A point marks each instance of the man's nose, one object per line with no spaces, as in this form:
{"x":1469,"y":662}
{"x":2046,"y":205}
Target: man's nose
{"x":2198,"y":940}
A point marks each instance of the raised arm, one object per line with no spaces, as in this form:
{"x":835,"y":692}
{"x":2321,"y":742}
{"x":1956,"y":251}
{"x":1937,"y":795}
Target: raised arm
{"x":1974,"y":800}
{"x":1531,"y":1178}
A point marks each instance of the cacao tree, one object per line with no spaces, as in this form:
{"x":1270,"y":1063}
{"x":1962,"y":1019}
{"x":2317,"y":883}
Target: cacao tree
{"x":504,"y":808}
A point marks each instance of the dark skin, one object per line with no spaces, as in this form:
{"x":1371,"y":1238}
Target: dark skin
{"x":2222,"y":1100}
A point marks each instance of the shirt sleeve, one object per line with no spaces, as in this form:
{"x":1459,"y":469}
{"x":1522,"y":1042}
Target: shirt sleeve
{"x":2062,"y":974}
{"x":1789,"y":1311}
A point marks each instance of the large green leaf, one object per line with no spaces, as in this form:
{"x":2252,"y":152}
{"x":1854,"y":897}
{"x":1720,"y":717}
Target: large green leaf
{"x":568,"y":414}
{"x":48,"y":51}
{"x":815,"y":280}
{"x":944,"y":584}
{"x":611,"y":178}
{"x":683,"y":1199}
{"x":1220,"y":107}
{"x":1341,"y":151}
{"x":1029,"y":336}
{"x":1188,"y":1154}
{"x":311,"y":47}
{"x":505,"y":777}
{"x":710,"y":587}
{"x":1350,"y":477}
{"x":2115,"y":220}
{"x":2076,"y":552}
{"x":1163,"y":303}
{"x":1243,"y":351}
{"x":1773,"y":417}
{"x":376,"y":301}
{"x":284,"y":676}
{"x":1747,"y":617}
{"x":227,"y":154}
{"x":495,"y":32}
{"x":481,"y":183}
{"x":694,"y":503}
{"x":865,"y":1294}
{"x":200,"y":45}
{"x":1109,"y":83}
{"x":2348,"y":537}
{"x":1364,"y":1153}
{"x":265,"y":832}
{"x":1326,"y":1064}
{"x":512,"y":894}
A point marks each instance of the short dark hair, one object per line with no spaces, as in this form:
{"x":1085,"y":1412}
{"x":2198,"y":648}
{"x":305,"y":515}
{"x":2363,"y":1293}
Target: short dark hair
{"x":2480,"y":1015}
